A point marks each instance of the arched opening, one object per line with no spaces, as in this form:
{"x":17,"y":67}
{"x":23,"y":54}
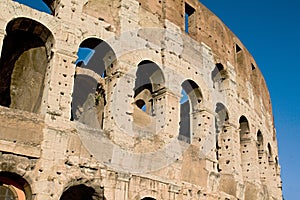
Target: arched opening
{"x":95,"y":58}
{"x":222,"y":148}
{"x":189,"y":103}
{"x":82,"y":192}
{"x":270,"y":154}
{"x":245,"y":142}
{"x":14,"y":187}
{"x":260,"y":147}
{"x":218,"y":75}
{"x":148,"y":198}
{"x":149,"y":81}
{"x":25,"y":57}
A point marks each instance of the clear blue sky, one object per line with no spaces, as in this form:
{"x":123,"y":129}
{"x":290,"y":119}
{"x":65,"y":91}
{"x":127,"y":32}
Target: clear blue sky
{"x":270,"y":30}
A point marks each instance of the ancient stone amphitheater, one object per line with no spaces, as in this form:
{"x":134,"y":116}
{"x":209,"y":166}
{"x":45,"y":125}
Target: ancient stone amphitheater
{"x":162,"y":102}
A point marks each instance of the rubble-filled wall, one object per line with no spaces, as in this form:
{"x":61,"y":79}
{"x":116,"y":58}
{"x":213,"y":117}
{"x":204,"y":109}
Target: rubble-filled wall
{"x":169,"y":104}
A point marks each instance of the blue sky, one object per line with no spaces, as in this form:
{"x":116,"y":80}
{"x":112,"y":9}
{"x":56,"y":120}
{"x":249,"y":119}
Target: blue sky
{"x":270,"y":30}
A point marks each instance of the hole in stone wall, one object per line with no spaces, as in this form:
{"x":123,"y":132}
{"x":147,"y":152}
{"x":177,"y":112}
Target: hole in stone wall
{"x":237,"y":48}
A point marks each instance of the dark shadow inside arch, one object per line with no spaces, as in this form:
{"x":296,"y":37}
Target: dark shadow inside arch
{"x":149,"y":80}
{"x":260,"y":145}
{"x":98,"y":57}
{"x":270,"y":154}
{"x":221,"y":117}
{"x":244,"y":129}
{"x":13,"y":186}
{"x":148,"y":198}
{"x":82,"y":192}
{"x":148,"y":76}
{"x":23,"y":64}
{"x":218,"y":75}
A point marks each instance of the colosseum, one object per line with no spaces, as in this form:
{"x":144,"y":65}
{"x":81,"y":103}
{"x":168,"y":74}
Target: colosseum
{"x":131,"y":100}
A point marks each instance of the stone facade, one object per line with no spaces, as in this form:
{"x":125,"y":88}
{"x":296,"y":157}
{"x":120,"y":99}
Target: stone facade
{"x":116,"y":126}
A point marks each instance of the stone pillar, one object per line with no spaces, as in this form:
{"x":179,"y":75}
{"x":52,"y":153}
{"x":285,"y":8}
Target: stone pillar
{"x":174,"y":190}
{"x":122,"y":186}
{"x":166,"y":111}
{"x":202,"y":133}
{"x":249,"y":160}
{"x":230,"y":162}
{"x":119,"y":108}
{"x":58,"y":91}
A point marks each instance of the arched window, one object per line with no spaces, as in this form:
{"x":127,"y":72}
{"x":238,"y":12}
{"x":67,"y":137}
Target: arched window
{"x":221,"y":117}
{"x":244,"y":144}
{"x":260,"y":147}
{"x":8,"y":192}
{"x":14,"y":187}
{"x":25,"y":57}
{"x":148,"y":83}
{"x":82,"y":192}
{"x":189,"y":103}
{"x":222,"y":147}
{"x":218,"y":75}
{"x":95,"y":58}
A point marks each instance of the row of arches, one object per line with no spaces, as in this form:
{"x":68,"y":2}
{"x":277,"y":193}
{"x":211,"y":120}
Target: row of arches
{"x":27,"y":53}
{"x":15,"y":187}
{"x":256,"y":154}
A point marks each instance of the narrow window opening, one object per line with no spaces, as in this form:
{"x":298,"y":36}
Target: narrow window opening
{"x":270,"y":154}
{"x":260,"y":147}
{"x":237,"y":48}
{"x":141,"y":104}
{"x":190,"y":19}
{"x":252,"y":66}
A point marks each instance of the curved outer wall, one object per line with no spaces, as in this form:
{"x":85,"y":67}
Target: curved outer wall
{"x":228,"y":152}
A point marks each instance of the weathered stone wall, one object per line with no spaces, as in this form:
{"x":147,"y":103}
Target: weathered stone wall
{"x":106,"y":146}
